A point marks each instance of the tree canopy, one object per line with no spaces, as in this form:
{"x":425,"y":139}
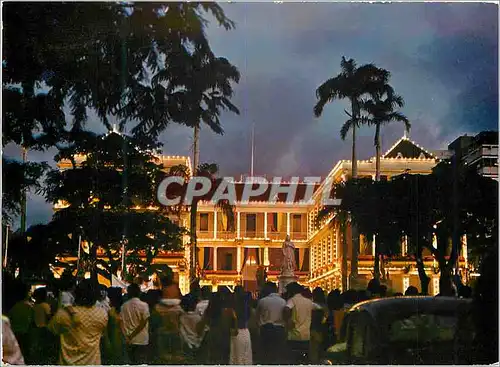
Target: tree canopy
{"x":105,"y":212}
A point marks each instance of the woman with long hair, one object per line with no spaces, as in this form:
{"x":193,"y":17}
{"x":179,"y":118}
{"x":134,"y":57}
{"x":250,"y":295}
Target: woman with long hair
{"x":241,"y":343}
{"x":116,"y":351}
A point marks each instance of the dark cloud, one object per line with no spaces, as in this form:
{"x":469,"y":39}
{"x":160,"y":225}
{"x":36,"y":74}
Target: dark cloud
{"x":443,"y":59}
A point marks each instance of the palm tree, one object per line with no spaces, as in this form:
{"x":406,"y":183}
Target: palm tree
{"x":382,"y":108}
{"x":352,"y":83}
{"x":209,"y":170}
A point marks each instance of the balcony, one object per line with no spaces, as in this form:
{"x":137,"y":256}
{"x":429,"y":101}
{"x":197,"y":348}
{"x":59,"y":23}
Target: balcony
{"x":205,"y":234}
{"x":252,"y":234}
{"x":298,"y":236}
{"x":488,"y":171}
{"x":276,"y":235}
{"x":226,"y":235}
{"x":231,"y":235}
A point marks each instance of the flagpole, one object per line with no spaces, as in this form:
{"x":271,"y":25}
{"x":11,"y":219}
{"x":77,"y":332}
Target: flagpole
{"x":253,"y":139}
{"x":6,"y":246}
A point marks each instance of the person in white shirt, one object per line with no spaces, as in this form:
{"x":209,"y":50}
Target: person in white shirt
{"x":103,"y":301}
{"x":272,"y":325}
{"x":297,"y":314}
{"x":188,"y":327}
{"x":135,"y":325}
{"x":11,"y":353}
{"x":202,"y":305}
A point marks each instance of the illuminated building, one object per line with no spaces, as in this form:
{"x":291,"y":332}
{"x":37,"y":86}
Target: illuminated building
{"x":231,"y":251}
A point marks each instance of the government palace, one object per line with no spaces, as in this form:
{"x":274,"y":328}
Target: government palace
{"x":231,"y":254}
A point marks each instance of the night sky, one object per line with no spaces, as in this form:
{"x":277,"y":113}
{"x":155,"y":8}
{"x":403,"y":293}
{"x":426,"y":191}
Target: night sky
{"x":443,"y":59}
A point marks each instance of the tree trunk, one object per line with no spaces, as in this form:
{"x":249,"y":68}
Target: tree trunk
{"x":23,"y":195}
{"x":382,"y":268}
{"x":456,"y":242}
{"x":354,"y":162}
{"x":445,"y":276}
{"x":424,"y":279}
{"x":194,"y":207}
{"x":354,"y":254}
{"x":376,"y":267}
{"x":377,"y":152}
{"x":343,"y":228}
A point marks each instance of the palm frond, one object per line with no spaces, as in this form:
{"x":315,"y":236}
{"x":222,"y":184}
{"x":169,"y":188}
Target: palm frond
{"x":345,"y":128}
{"x":327,"y":92}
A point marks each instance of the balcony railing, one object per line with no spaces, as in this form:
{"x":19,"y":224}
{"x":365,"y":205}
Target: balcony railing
{"x":205,"y":234}
{"x":252,"y":234}
{"x":275,"y":236}
{"x":226,"y":235}
{"x":298,"y":236}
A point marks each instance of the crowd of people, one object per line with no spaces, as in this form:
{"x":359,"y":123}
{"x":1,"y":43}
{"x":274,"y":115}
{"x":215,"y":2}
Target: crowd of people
{"x":89,"y":324}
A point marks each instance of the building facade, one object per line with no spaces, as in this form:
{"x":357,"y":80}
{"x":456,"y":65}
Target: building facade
{"x":479,"y":153}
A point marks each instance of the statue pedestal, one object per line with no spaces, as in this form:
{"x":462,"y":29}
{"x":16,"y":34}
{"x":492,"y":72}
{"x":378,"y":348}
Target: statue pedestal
{"x":284,"y":280}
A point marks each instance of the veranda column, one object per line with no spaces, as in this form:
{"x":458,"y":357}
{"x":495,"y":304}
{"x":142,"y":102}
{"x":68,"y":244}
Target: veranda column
{"x":238,"y":259}
{"x":288,"y":223}
{"x":373,"y":246}
{"x":215,"y":223}
{"x":265,"y":224}
{"x":238,"y":225}
{"x":266,"y":256}
{"x":215,"y":258}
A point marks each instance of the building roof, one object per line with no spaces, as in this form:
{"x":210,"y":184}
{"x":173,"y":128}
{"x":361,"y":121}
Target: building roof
{"x":405,"y":148}
{"x":175,"y":190}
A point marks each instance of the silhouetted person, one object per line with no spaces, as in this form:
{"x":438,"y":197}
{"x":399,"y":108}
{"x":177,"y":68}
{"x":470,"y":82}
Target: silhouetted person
{"x":411,"y":291}
{"x":135,"y":325}
{"x":485,"y":308}
{"x":240,"y":352}
{"x":272,"y":326}
{"x":297,"y":313}
{"x":465,"y":291}
{"x":383,"y":290}
{"x":373,"y":287}
{"x":80,"y":327}
{"x":318,"y":328}
{"x":21,"y":318}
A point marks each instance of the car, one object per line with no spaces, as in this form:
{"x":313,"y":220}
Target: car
{"x":405,"y":330}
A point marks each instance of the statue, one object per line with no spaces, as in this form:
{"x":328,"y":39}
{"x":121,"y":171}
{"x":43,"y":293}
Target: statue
{"x":288,"y":266}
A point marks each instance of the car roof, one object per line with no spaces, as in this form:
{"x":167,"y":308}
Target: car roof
{"x":407,"y":305}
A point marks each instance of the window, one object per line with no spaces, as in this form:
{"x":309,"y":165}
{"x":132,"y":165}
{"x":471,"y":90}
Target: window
{"x":357,"y":328}
{"x":228,"y":262}
{"x":296,"y":223}
{"x":274,"y":222}
{"x":406,"y":284}
{"x":204,"y":222}
{"x":421,"y":328}
{"x":251,"y":222}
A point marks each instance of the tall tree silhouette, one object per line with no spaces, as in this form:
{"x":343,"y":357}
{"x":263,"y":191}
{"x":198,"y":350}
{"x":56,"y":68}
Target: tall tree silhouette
{"x":382,"y":110}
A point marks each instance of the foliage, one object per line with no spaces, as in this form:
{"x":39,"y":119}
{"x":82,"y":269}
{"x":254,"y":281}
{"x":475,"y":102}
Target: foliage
{"x":134,"y":61}
{"x":16,"y":178}
{"x":104,"y":210}
{"x":418,"y":206}
{"x":33,"y":251}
